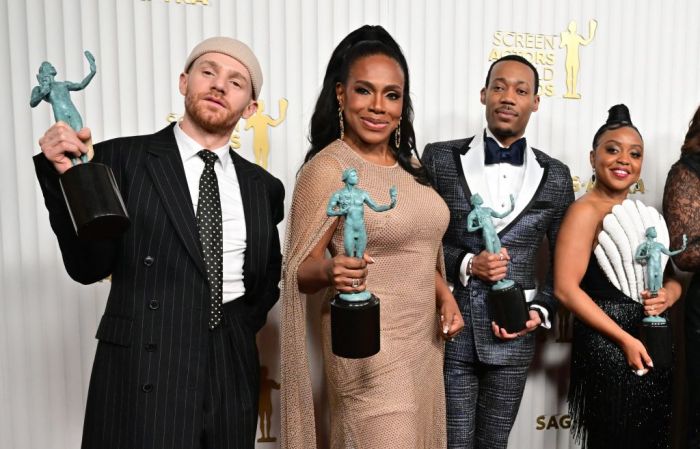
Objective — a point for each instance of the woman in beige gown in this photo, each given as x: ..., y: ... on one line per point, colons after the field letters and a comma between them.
x: 394, y: 399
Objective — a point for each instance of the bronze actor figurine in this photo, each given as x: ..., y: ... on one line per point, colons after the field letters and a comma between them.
x: 506, y: 299
x: 355, y: 316
x: 89, y: 189
x: 655, y: 332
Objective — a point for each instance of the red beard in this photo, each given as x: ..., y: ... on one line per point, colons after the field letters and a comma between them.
x: 206, y: 116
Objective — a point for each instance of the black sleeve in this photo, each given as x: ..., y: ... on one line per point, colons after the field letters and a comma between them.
x: 85, y: 261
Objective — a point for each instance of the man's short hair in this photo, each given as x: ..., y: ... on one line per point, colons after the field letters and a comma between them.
x: 516, y: 58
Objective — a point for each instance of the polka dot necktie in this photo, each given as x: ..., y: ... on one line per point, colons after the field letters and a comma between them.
x: 210, y: 234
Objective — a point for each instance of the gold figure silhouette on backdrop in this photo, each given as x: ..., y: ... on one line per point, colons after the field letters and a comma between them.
x: 265, y: 405
x: 573, y: 41
x: 259, y: 122
x: 576, y: 181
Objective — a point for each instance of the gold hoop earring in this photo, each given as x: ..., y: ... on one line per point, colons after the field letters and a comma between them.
x: 341, y: 123
x: 397, y: 135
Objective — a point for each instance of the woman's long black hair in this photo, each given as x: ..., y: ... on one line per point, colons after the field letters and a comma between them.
x: 325, y: 128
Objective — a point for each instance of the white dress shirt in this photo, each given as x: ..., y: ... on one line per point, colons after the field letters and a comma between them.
x: 233, y: 219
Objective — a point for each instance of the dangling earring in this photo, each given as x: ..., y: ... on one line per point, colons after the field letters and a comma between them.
x: 397, y: 135
x: 340, y: 120
x: 591, y: 183
x: 637, y: 186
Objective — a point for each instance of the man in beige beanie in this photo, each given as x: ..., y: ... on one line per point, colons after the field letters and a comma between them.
x: 192, y: 279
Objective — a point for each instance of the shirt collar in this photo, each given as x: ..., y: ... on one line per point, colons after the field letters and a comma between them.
x: 189, y: 147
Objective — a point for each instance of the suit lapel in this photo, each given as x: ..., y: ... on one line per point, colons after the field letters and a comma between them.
x: 532, y: 178
x: 472, y: 166
x: 164, y: 164
x: 255, y: 214
x: 533, y: 183
x: 457, y: 154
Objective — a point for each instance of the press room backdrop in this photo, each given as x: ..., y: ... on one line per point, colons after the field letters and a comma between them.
x: 644, y: 53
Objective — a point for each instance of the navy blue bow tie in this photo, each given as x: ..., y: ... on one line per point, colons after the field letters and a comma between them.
x: 495, y: 155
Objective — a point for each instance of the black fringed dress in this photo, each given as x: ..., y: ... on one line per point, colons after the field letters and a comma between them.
x: 610, y: 406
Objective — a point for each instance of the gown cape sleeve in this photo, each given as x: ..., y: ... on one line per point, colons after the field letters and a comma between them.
x: 307, y: 223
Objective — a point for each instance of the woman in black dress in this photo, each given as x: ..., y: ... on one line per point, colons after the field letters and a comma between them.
x: 617, y: 399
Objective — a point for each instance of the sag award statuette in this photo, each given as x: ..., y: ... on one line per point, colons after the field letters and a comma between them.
x: 654, y: 331
x: 355, y: 316
x: 89, y: 189
x: 506, y: 301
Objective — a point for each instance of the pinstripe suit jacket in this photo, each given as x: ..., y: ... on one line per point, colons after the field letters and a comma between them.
x: 147, y: 384
x: 522, y: 237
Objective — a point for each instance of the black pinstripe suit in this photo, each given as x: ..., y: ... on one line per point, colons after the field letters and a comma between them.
x: 484, y: 376
x: 151, y: 369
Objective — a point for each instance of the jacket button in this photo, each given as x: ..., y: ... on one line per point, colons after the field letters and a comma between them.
x: 474, y: 292
x: 147, y: 388
x: 154, y: 304
x: 151, y: 347
x: 148, y: 261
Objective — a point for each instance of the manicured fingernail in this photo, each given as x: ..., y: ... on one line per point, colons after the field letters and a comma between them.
x: 445, y: 329
x: 371, y: 259
x: 651, y: 364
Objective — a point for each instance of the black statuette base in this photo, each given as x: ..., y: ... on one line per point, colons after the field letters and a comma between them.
x: 508, y: 308
x: 355, y: 327
x: 658, y: 341
x: 94, y: 202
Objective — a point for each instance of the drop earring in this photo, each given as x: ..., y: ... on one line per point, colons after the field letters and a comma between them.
x: 341, y: 123
x: 397, y: 135
x: 591, y: 183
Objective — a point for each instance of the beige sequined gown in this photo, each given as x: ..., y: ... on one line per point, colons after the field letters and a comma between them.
x: 394, y: 399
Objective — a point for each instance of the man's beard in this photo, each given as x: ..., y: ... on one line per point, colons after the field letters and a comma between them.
x: 503, y: 133
x: 214, y: 122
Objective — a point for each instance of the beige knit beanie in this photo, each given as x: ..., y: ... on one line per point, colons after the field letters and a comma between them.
x: 235, y: 49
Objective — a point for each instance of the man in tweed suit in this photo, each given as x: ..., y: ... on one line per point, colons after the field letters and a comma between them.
x: 167, y: 372
x: 485, y: 366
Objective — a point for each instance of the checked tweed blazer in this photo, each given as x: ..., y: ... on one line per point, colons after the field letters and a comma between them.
x: 522, y: 238
x: 149, y: 373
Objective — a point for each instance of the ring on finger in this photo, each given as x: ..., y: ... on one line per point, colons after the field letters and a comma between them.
x: 355, y: 283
